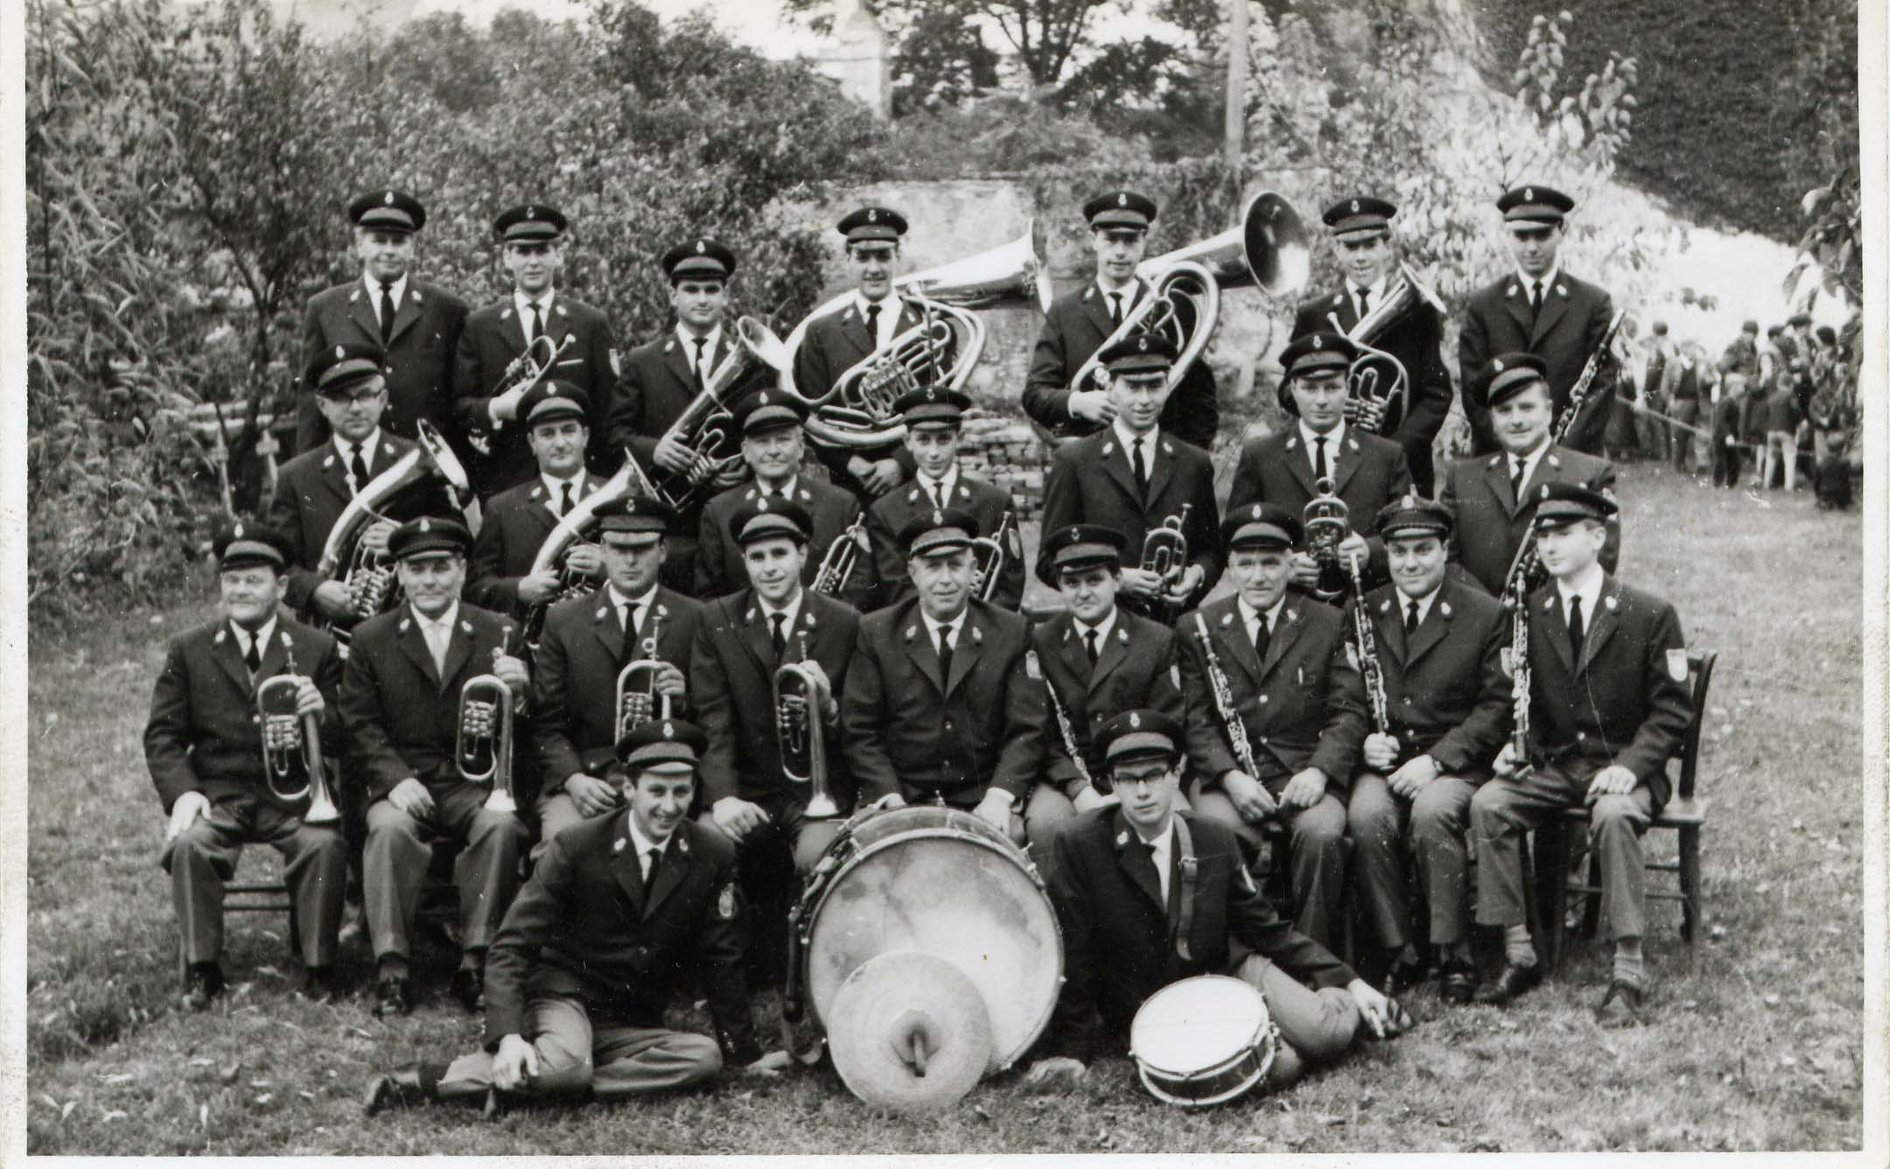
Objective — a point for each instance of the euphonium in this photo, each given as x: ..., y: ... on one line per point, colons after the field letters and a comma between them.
x: 856, y: 411
x: 800, y: 735
x: 482, y: 745
x: 369, y: 578
x: 988, y: 554
x: 1327, y: 523
x: 1377, y: 380
x: 1165, y: 553
x: 706, y: 426
x: 637, y: 700
x: 292, y: 748
x: 573, y: 527
x: 836, y: 567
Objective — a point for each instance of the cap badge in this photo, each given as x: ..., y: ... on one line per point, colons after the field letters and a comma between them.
x: 872, y: 215
x: 701, y: 247
x: 237, y: 532
x: 1529, y: 193
x: 630, y: 504
x: 1410, y: 499
x: 1142, y: 345
x: 1135, y: 720
x: 388, y: 198
x: 669, y: 730
x: 1545, y: 491
x: 1355, y: 206
x: 931, y: 393
x: 1498, y: 363
x: 426, y: 525
x: 340, y: 353
x: 1318, y: 342
x: 531, y: 213
x: 1122, y: 198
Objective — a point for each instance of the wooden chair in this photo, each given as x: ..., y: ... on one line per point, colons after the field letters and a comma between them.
x: 1561, y: 843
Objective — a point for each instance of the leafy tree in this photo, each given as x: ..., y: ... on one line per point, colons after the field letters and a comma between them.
x: 1045, y: 34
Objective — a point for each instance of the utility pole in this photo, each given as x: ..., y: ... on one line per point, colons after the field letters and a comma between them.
x: 1232, y: 147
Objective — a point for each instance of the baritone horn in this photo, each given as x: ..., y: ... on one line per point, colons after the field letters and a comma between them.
x: 707, y: 425
x: 292, y: 748
x: 637, y: 700
x: 1377, y: 381
x: 800, y: 735
x: 482, y: 746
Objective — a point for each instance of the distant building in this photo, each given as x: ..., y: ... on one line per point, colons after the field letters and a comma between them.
x: 858, y: 57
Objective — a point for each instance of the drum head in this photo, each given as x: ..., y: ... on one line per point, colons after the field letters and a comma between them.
x: 1197, y: 1024
x: 923, y: 880
x: 910, y: 1033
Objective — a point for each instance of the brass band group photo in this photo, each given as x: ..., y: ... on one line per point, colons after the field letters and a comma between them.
x: 689, y: 667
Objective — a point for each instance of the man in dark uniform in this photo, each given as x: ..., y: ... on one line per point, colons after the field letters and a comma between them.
x: 933, y: 417
x: 204, y: 747
x: 555, y: 417
x: 773, y: 445
x: 532, y: 238
x: 938, y: 702
x: 1608, y: 704
x: 400, y: 703
x: 1080, y: 322
x: 1539, y: 309
x: 745, y: 639
x: 1367, y: 470
x: 587, y: 642
x: 1300, y: 703
x: 415, y: 324
x: 1096, y: 661
x: 1493, y: 497
x: 1147, y: 896
x: 1361, y: 232
x: 662, y: 377
x: 839, y: 340
x: 1440, y: 646
x: 591, y: 954
x: 1133, y: 477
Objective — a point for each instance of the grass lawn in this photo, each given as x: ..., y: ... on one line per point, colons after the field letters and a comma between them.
x: 1757, y: 1044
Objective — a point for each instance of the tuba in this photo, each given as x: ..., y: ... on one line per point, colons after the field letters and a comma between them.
x: 706, y: 426
x: 369, y: 577
x: 637, y: 701
x: 482, y: 745
x: 800, y: 735
x: 1165, y: 553
x: 836, y: 567
x: 292, y: 748
x: 857, y: 411
x: 988, y: 553
x: 1378, y: 382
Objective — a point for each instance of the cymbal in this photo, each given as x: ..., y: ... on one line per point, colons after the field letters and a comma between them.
x: 909, y: 1032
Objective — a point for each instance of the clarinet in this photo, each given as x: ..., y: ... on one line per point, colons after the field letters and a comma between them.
x: 1063, y: 722
x: 1224, y: 701
x: 1367, y: 644
x: 1520, y: 678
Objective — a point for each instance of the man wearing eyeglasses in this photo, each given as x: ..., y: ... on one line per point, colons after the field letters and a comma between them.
x: 1539, y: 309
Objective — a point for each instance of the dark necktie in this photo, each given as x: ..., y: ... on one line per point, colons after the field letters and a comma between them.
x: 253, y: 658
x: 872, y: 324
x: 945, y: 653
x: 387, y: 312
x: 702, y: 375
x: 656, y: 865
x: 1115, y: 308
x: 1141, y: 469
x: 564, y: 507
x: 1364, y: 302
x: 1155, y: 863
x: 630, y: 624
x: 1320, y: 468
x: 1575, y: 630
x: 1262, y: 638
x: 938, y: 495
x: 538, y: 321
x: 1411, y: 619
x: 1089, y: 643
x: 1516, y: 467
x: 357, y: 467
x: 779, y: 636
x: 1535, y: 300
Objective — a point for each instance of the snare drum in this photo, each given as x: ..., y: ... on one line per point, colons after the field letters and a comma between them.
x: 941, y: 882
x: 1203, y: 1041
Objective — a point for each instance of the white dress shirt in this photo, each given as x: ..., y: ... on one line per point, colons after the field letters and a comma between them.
x: 1548, y: 282
x: 645, y: 605
x: 554, y: 488
x: 1102, y: 631
x: 438, y: 633
x: 938, y: 489
x: 1128, y: 439
x: 889, y: 308
x: 261, y: 635
x: 647, y: 849
x: 956, y: 625
x: 346, y: 450
x: 524, y: 305
x: 1335, y: 438
x: 710, y: 340
x: 1375, y: 291
x: 1250, y: 616
x: 1588, y: 588
x: 1529, y: 462
x: 1161, y: 855
x: 398, y: 290
x: 1127, y: 293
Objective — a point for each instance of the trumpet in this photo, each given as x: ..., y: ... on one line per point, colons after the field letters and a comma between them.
x: 292, y: 747
x: 988, y: 553
x: 482, y: 745
x: 1326, y: 518
x: 1378, y: 381
x: 706, y: 426
x: 637, y: 700
x: 800, y: 733
x: 837, y: 565
x: 1165, y: 553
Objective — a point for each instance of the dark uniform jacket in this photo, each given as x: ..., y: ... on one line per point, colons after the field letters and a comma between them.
x: 1119, y: 938
x: 1491, y: 525
x: 419, y: 353
x: 986, y: 504
x: 1416, y: 340
x: 1303, y: 707
x: 907, y: 730
x: 516, y: 524
x: 1091, y: 482
x: 400, y: 715
x: 574, y: 683
x: 719, y: 567
x: 1369, y: 472
x: 493, y: 337
x: 731, y: 673
x: 833, y: 344
x: 1075, y: 328
x: 311, y: 494
x: 1574, y: 315
x: 204, y: 734
x: 584, y: 926
x: 1625, y: 702
x: 1445, y: 688
x: 1135, y: 669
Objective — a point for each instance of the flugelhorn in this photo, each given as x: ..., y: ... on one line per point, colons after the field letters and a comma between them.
x: 989, y: 554
x: 637, y: 700
x: 841, y: 558
x: 522, y: 373
x: 801, y: 735
x: 482, y: 744
x: 292, y: 747
x: 1165, y: 553
x: 707, y: 426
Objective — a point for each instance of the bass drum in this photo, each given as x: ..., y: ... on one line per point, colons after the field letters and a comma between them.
x: 940, y: 882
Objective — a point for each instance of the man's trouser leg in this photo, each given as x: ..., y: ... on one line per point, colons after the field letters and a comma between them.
x: 556, y: 812
x: 633, y: 1061
x: 1500, y: 813
x: 1614, y: 833
x: 315, y: 869
x: 1375, y: 818
x: 486, y: 870
x: 1046, y: 811
x: 1788, y: 442
x: 1418, y: 457
x: 560, y: 1032
x: 1320, y: 1024
x: 1440, y: 818
x: 393, y: 866
x: 1685, y: 443
x: 200, y: 859
x: 1317, y: 850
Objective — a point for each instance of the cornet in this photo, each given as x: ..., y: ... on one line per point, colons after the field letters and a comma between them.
x: 293, y: 745
x: 482, y: 747
x: 800, y: 735
x: 637, y: 700
x: 1165, y: 553
x: 1327, y: 521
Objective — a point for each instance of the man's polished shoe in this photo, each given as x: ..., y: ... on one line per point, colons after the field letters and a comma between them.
x: 412, y: 1085
x: 320, y: 985
x: 1458, y: 984
x: 1513, y: 981
x: 1405, y: 975
x: 1625, y: 1005
x: 469, y: 987
x: 203, y: 981
x: 393, y: 996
